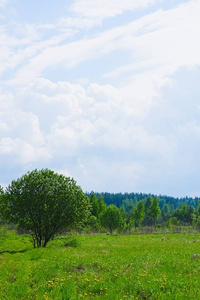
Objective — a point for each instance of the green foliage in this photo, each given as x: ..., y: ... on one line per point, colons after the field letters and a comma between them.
x: 147, y: 218
x: 94, y: 205
x: 97, y: 205
x: 165, y: 213
x: 148, y: 203
x: 171, y: 222
x: 138, y: 213
x: 111, y: 218
x: 44, y: 203
x: 198, y: 208
x: 93, y: 224
x: 184, y: 214
x: 97, y: 208
x: 154, y: 209
x: 101, y: 205
x: 198, y: 223
x: 129, y: 204
x: 3, y: 232
x: 130, y: 200
x: 71, y: 242
x: 157, y: 209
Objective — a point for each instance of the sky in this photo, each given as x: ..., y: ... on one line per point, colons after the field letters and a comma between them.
x: 106, y: 92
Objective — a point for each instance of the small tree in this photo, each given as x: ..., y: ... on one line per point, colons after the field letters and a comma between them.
x: 154, y: 209
x: 94, y: 205
x: 165, y: 213
x: 172, y: 222
x: 44, y: 203
x: 93, y: 223
x: 147, y: 217
x: 188, y: 218
x: 102, y: 205
x: 111, y: 218
x: 138, y: 213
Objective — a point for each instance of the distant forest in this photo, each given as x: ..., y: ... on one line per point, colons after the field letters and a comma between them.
x: 139, y: 209
x: 130, y: 200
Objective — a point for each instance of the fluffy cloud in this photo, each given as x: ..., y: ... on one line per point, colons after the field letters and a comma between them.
x: 21, y: 140
x: 96, y: 135
x: 121, y: 132
x: 18, y: 151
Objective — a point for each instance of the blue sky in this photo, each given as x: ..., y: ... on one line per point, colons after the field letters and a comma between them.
x: 106, y: 92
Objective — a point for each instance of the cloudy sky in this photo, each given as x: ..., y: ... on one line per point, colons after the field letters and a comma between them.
x: 106, y: 92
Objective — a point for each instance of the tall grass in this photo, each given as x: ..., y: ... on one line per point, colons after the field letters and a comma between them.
x: 101, y: 266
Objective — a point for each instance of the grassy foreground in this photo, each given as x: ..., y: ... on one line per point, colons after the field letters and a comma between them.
x: 102, y: 267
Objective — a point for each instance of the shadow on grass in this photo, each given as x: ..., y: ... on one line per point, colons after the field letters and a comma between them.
x: 13, y: 252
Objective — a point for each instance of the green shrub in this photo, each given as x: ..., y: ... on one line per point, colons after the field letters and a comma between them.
x: 72, y: 242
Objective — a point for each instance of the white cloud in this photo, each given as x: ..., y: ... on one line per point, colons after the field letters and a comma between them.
x: 21, y: 140
x: 102, y: 9
x: 77, y: 22
x: 107, y: 134
x: 95, y: 131
x: 146, y: 40
x: 96, y: 118
x: 18, y: 151
x: 165, y: 40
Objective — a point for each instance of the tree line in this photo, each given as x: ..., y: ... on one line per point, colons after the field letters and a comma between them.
x: 130, y: 199
x: 148, y: 210
x: 45, y: 203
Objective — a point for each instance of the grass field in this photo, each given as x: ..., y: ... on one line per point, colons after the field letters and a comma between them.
x: 101, y: 266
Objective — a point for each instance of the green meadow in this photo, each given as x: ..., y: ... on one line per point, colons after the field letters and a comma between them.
x: 101, y: 266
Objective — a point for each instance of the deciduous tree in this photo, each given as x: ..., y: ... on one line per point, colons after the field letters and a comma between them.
x: 111, y: 218
x: 154, y: 209
x: 44, y: 203
x: 138, y: 213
